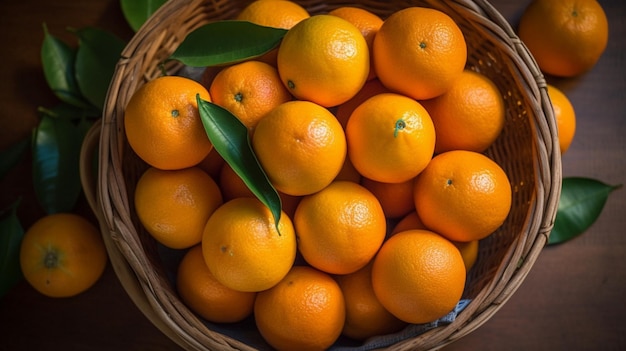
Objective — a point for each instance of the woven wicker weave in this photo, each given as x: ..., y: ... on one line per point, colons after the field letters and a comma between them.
x: 527, y: 150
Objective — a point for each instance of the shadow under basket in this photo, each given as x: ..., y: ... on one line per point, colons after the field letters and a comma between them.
x: 527, y: 150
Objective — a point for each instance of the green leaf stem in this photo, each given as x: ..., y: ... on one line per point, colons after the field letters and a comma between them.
x: 231, y: 140
x: 70, y: 112
x: 580, y: 205
x: 137, y: 12
x: 225, y: 42
x: 96, y: 58
x: 11, y: 234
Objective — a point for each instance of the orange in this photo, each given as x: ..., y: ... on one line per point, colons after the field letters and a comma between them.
x: 469, y: 249
x: 289, y: 203
x: 212, y: 164
x: 410, y: 221
x: 469, y: 115
x: 419, y: 52
x: 273, y: 13
x: 339, y: 228
x: 391, y: 138
x: 163, y: 125
x: 566, y: 37
x: 396, y: 199
x: 175, y: 205
x: 305, y: 311
x: 204, y: 295
x: 565, y: 117
x: 469, y: 252
x: 348, y: 172
x: 323, y: 59
x: 365, y: 315
x: 370, y: 88
x: 418, y: 276
x: 62, y: 255
x: 208, y: 74
x: 244, y: 249
x: 367, y: 22
x: 301, y: 147
x: 463, y: 195
x: 232, y: 186
x: 249, y: 90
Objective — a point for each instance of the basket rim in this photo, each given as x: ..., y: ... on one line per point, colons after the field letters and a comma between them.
x: 541, y: 214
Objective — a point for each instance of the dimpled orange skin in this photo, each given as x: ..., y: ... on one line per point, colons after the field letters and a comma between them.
x: 370, y: 88
x: 565, y: 117
x: 204, y: 295
x: 304, y: 311
x: 468, y: 249
x: 396, y: 199
x: 340, y: 228
x: 391, y: 138
x: 62, y: 255
x: 273, y: 13
x: 173, y: 206
x: 163, y: 125
x: 463, y: 195
x: 244, y: 249
x: 468, y: 116
x: 410, y: 221
x: 323, y: 59
x: 249, y: 90
x: 566, y: 37
x: 365, y: 316
x: 301, y: 146
x: 367, y: 22
x: 419, y: 52
x: 418, y: 276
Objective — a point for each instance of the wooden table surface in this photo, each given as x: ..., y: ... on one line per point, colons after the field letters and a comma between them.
x: 573, y: 298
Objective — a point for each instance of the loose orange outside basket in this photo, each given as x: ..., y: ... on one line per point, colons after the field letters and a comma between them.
x: 527, y: 150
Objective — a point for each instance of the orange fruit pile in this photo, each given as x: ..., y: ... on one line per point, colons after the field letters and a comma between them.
x: 372, y: 131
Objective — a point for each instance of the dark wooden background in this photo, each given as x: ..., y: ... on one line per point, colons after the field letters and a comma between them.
x: 573, y: 298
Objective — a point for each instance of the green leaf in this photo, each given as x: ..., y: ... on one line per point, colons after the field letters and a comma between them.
x: 70, y: 112
x: 231, y: 140
x: 56, y: 154
x: 96, y: 58
x: 137, y: 12
x: 11, y: 234
x: 57, y: 59
x: 580, y: 205
x: 11, y: 156
x: 224, y: 42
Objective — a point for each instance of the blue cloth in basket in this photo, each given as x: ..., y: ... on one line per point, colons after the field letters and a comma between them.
x: 247, y: 333
x: 410, y: 331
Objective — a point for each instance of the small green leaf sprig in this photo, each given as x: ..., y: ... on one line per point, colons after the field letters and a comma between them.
x: 227, y: 42
x: 136, y: 12
x: 231, y: 139
x: 79, y: 77
x: 580, y: 205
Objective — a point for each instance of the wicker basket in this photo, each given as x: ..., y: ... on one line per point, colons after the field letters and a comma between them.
x: 527, y: 150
